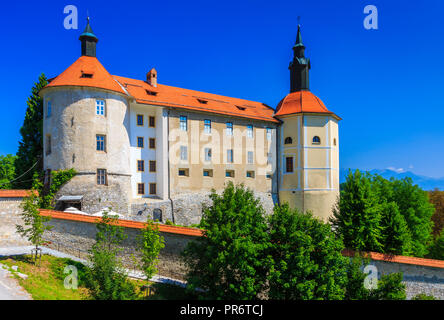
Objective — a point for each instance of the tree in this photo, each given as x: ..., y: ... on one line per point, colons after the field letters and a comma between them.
x: 230, y: 260
x: 357, y: 214
x: 436, y: 250
x: 437, y: 200
x: 396, y: 236
x: 30, y: 151
x: 307, y: 259
x: 106, y: 278
x: 34, y: 224
x: 7, y: 171
x: 150, y: 242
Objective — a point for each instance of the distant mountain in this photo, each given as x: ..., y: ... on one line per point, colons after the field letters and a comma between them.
x: 426, y: 183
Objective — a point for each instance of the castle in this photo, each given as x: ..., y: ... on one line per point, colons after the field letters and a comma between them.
x: 150, y: 150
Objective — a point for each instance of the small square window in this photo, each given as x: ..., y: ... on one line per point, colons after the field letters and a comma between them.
x: 140, y: 142
x: 140, y: 120
x: 229, y: 173
x: 100, y: 107
x: 153, y: 189
x: 152, y: 122
x: 153, y: 166
x: 184, y: 172
x: 250, y: 174
x: 101, y: 177
x: 152, y: 143
x: 208, y: 173
x: 140, y: 165
x: 140, y: 188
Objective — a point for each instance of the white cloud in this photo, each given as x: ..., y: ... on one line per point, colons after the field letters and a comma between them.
x: 397, y: 170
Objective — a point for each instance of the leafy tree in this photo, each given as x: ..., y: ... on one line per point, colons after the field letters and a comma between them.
x: 355, y: 289
x: 414, y: 205
x: 58, y: 179
x: 30, y: 151
x: 396, y: 236
x: 390, y: 287
x: 437, y: 200
x: 436, y: 250
x: 7, y: 171
x: 307, y: 259
x: 357, y: 214
x: 230, y: 260
x: 106, y: 278
x: 150, y: 242
x: 34, y: 224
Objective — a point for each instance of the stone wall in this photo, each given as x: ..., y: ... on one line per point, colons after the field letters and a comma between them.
x: 76, y: 238
x: 9, y: 217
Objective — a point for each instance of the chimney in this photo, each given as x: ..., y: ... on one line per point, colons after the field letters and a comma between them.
x: 151, y: 77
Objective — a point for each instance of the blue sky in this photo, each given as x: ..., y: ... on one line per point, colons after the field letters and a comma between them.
x: 386, y: 84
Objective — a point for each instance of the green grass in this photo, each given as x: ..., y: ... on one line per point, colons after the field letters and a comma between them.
x: 46, y: 281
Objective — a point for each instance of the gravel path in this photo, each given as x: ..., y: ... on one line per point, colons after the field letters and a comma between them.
x: 10, y: 288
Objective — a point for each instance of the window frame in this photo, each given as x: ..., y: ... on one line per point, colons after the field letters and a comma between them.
x: 292, y: 164
x: 229, y: 128
x: 318, y: 140
x: 153, y: 118
x: 230, y: 159
x: 149, y: 143
x: 183, y: 152
x: 250, y: 131
x: 140, y: 184
x: 137, y: 120
x: 143, y: 142
x: 152, y: 163
x: 248, y: 157
x: 155, y: 189
x: 101, y: 176
x: 207, y: 126
x: 183, y: 123
x: 208, y: 155
x: 100, y: 109
x: 102, y: 142
x: 140, y: 163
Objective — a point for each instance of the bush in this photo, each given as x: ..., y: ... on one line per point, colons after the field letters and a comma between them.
x: 423, y: 296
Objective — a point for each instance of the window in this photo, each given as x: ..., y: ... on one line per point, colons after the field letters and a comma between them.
x: 207, y: 126
x: 152, y: 166
x: 269, y: 176
x: 208, y: 173
x: 140, y: 120
x: 141, y: 188
x: 49, y: 109
x: 151, y: 93
x: 152, y: 143
x: 183, y: 123
x: 250, y: 174
x: 250, y: 156
x: 316, y: 140
x: 140, y: 142
x: 334, y: 141
x: 288, y: 140
x: 207, y: 154
x: 229, y: 173
x: 140, y: 165
x: 184, y: 172
x: 48, y: 144
x: 229, y: 128
x: 250, y: 131
x: 269, y: 133
x: 153, y: 189
x: 100, y: 107
x: 152, y: 122
x: 86, y: 75
x: 101, y: 177
x: 100, y: 141
x: 202, y: 101
x: 230, y: 156
x: 241, y: 108
x: 289, y: 164
x: 269, y: 158
x: 183, y: 153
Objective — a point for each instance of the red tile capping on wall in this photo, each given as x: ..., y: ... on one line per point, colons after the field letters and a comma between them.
x: 123, y: 223
x: 398, y: 259
x: 16, y: 193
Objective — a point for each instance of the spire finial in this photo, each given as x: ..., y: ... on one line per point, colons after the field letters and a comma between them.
x: 299, y: 37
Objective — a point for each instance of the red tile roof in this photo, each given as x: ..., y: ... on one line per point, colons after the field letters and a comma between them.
x: 301, y: 102
x: 123, y: 223
x: 15, y: 193
x: 87, y: 66
x: 398, y: 259
x: 196, y: 100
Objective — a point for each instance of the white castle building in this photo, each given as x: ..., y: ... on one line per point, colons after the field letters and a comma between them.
x: 147, y: 149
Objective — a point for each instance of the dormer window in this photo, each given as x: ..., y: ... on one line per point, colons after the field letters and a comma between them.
x: 202, y: 101
x: 87, y: 75
x: 151, y: 93
x: 241, y: 108
x: 316, y: 140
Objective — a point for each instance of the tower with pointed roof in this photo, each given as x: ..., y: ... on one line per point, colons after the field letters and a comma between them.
x: 89, y: 41
x: 308, y: 146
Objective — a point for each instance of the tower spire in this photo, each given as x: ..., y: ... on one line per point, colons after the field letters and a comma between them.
x: 300, y: 66
x: 89, y: 41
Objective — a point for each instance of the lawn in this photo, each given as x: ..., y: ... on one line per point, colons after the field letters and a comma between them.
x: 46, y: 281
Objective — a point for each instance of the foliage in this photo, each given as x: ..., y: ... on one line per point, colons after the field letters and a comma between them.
x: 58, y: 265
x: 34, y: 223
x: 355, y: 289
x: 388, y: 216
x: 390, y: 287
x: 58, y: 179
x: 436, y: 250
x: 150, y: 242
x: 105, y: 278
x: 436, y: 198
x: 230, y: 260
x: 30, y: 151
x: 423, y: 296
x: 356, y: 215
x: 7, y: 171
x: 307, y: 259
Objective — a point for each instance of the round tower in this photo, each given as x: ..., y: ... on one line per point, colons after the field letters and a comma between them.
x: 85, y: 127
x: 308, y: 144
